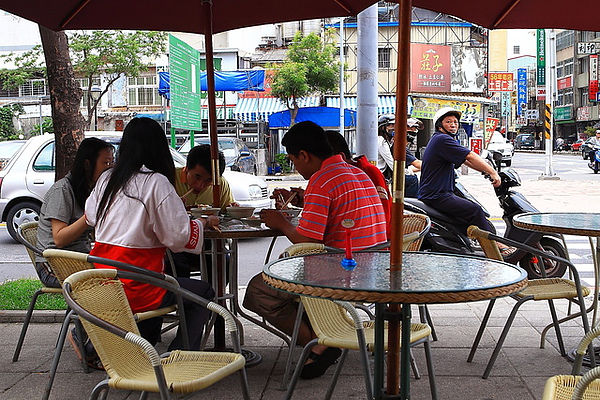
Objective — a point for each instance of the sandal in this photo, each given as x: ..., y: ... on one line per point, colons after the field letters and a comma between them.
x: 320, y: 363
x: 507, y: 252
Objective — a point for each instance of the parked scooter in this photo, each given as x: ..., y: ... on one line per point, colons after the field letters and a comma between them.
x: 594, y: 163
x: 448, y: 234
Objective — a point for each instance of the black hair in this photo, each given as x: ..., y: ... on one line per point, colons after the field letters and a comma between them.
x: 200, y: 155
x: 84, y: 165
x: 307, y: 136
x: 144, y: 143
x: 338, y: 143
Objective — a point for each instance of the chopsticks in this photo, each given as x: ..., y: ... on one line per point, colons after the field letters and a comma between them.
x: 186, y: 194
x: 284, y: 206
x: 216, y: 228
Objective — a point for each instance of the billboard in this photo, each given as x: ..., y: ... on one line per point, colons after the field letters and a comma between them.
x: 426, y: 108
x: 430, y: 68
x: 521, y: 91
x: 501, y: 82
x: 468, y: 70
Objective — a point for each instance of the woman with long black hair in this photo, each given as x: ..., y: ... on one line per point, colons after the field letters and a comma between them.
x: 137, y: 215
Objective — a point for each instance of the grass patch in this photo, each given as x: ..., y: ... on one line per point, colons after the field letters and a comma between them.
x: 16, y: 295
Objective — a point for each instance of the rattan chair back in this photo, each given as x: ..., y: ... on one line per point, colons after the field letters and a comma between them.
x: 64, y: 262
x: 27, y: 235
x: 103, y: 296
x: 130, y: 361
x: 415, y: 223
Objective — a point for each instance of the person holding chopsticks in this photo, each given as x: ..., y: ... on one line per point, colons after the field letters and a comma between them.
x: 335, y: 191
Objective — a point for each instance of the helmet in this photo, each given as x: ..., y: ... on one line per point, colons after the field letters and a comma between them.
x: 413, y: 122
x: 443, y: 112
x: 597, y: 131
x: 386, y: 119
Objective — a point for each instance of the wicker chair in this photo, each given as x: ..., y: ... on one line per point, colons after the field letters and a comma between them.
x: 130, y: 361
x: 567, y: 387
x: 331, y: 322
x: 27, y: 236
x: 65, y: 263
x: 549, y: 289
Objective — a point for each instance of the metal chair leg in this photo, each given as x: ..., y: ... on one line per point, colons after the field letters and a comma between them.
x: 336, y: 375
x: 503, y: 335
x: 430, y: 371
x: 301, y: 361
x: 561, y: 344
x: 57, y: 352
x: 26, y: 324
x: 484, y: 322
x: 425, y: 318
x: 292, y: 344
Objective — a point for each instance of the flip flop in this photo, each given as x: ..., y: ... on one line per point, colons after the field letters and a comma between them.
x: 320, y: 363
x: 507, y: 252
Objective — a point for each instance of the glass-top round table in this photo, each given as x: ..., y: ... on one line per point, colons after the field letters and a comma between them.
x: 424, y: 278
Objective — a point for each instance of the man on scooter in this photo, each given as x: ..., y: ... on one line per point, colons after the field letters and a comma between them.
x: 594, y: 141
x: 441, y: 156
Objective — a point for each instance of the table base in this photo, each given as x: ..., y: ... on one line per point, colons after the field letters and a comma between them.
x: 586, y: 362
x: 252, y: 357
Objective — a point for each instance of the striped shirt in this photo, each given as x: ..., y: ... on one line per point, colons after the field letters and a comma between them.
x: 340, y: 191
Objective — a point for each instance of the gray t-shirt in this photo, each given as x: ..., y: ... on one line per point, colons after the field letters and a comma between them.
x: 59, y: 203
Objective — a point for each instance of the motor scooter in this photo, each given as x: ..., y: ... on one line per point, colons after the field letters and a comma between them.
x: 448, y: 233
x: 594, y: 163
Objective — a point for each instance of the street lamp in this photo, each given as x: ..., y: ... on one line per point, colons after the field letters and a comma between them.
x: 95, y: 92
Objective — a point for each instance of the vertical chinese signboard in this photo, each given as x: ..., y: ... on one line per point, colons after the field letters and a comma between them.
x: 541, y: 57
x: 501, y: 82
x: 430, y: 68
x: 490, y: 126
x: 593, y: 86
x: 521, y: 90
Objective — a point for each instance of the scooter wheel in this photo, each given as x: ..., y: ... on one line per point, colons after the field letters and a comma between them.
x: 534, y: 264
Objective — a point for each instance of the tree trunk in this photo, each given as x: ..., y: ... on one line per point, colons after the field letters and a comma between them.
x: 65, y: 95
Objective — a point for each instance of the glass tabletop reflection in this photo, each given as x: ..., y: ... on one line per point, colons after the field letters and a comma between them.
x: 574, y: 223
x: 421, y: 272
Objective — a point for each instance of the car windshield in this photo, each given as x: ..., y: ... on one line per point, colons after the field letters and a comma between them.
x: 9, y: 148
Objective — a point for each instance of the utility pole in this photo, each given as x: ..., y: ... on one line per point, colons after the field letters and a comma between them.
x: 550, y: 99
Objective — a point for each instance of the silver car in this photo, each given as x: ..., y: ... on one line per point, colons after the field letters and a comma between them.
x: 30, y: 173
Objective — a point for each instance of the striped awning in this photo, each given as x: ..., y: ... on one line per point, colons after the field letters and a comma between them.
x: 256, y: 109
x: 385, y: 104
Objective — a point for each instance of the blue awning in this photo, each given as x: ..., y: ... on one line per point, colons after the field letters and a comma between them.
x: 259, y: 109
x: 327, y: 117
x: 235, y: 81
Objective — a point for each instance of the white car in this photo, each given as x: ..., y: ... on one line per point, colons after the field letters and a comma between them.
x: 502, y: 145
x: 30, y: 172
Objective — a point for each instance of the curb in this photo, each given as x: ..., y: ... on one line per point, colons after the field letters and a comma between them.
x: 38, y: 317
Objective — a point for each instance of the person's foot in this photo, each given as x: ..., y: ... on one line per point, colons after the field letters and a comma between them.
x: 320, y: 363
x: 91, y: 357
x: 506, y: 252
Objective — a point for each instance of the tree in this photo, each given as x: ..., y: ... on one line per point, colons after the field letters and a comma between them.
x: 109, y: 54
x: 65, y: 95
x: 310, y: 68
x: 7, y: 126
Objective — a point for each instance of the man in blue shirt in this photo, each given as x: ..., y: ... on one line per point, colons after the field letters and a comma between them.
x: 442, y: 155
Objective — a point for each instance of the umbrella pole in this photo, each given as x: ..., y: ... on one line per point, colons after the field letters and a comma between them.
x: 219, y: 336
x: 397, y: 227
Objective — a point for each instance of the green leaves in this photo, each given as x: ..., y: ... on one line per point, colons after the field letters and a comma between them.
x: 310, y: 68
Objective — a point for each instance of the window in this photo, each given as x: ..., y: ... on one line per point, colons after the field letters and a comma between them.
x: 35, y: 87
x: 583, y: 96
x: 83, y: 84
x: 569, y: 66
x: 583, y: 64
x: 143, y: 91
x: 45, y: 159
x: 564, y: 97
x: 560, y: 69
x: 516, y: 49
x: 383, y: 57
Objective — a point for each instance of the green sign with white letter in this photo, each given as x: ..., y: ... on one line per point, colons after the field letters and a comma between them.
x: 541, y: 57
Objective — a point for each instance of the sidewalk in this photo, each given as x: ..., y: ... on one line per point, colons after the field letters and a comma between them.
x: 519, y: 374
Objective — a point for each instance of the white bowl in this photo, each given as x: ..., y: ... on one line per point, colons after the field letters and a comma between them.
x: 254, y: 222
x: 240, y: 212
x: 199, y: 212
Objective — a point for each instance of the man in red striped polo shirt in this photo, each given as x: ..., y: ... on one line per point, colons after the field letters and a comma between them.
x: 335, y: 191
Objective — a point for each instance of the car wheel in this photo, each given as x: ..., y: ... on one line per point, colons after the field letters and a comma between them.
x: 21, y: 213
